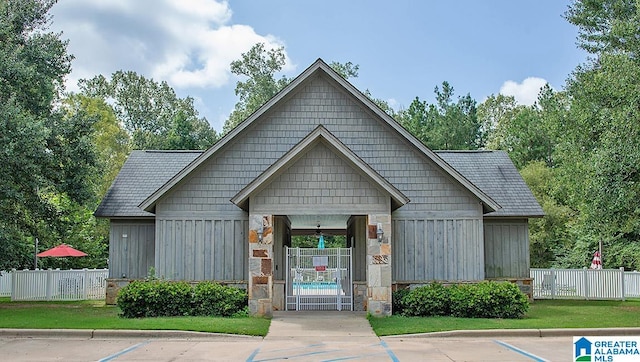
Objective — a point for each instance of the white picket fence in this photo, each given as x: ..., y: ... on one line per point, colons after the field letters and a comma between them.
x: 614, y: 284
x: 54, y: 285
x: 5, y: 284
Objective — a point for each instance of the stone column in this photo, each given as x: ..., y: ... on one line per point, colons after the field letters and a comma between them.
x: 379, y: 299
x: 260, y: 265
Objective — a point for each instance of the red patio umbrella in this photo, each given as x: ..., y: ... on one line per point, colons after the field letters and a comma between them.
x: 62, y: 250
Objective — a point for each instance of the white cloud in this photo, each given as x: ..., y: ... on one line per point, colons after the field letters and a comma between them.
x: 189, y: 43
x: 525, y: 93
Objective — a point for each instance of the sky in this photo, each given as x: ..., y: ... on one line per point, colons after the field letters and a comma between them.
x: 404, y: 48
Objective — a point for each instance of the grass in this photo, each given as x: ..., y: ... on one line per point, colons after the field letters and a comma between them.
x: 97, y: 315
x: 542, y: 314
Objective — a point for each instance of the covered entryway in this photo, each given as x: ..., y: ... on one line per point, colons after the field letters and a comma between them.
x: 319, y: 176
x: 319, y: 279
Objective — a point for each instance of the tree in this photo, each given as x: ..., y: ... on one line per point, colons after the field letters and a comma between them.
x: 607, y: 26
x: 346, y: 70
x: 495, y: 115
x: 446, y: 125
x: 152, y: 113
x: 43, y: 152
x: 111, y: 142
x: 549, y: 236
x: 259, y: 66
x: 527, y: 133
x: 597, y: 154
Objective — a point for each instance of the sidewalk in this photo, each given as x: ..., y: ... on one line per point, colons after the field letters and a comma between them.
x: 320, y: 325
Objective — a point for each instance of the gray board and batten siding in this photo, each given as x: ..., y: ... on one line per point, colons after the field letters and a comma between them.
x: 506, y: 231
x: 132, y: 230
x: 200, y: 234
x: 210, y: 187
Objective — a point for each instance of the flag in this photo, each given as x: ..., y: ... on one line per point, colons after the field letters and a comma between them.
x: 596, y: 263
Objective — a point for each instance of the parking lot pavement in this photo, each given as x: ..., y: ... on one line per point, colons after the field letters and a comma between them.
x: 281, y: 349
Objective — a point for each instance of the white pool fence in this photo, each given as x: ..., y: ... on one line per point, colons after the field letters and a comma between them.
x: 54, y: 284
x: 86, y: 284
x: 611, y: 284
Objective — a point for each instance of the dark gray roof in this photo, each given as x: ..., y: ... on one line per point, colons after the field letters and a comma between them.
x: 494, y: 173
x: 142, y: 174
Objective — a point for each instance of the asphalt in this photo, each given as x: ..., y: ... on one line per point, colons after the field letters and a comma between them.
x: 311, y: 325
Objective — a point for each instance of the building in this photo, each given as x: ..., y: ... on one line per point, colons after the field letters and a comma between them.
x: 319, y: 153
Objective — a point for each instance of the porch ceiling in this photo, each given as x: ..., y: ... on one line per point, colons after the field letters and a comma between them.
x: 312, y: 221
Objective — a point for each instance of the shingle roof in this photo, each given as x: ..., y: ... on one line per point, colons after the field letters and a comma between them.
x: 319, y: 67
x: 490, y: 171
x: 142, y: 174
x: 494, y: 173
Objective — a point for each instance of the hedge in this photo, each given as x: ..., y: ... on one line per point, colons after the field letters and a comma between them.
x: 161, y: 298
x: 482, y: 300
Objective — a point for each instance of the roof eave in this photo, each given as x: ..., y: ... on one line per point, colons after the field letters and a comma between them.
x: 484, y: 198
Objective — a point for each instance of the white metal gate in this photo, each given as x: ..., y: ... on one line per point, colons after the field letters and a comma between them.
x: 319, y: 279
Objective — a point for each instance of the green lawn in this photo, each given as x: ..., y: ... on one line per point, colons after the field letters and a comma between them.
x: 97, y: 315
x: 542, y: 314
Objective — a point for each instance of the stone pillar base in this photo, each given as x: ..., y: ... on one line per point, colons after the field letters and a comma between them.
x: 113, y: 287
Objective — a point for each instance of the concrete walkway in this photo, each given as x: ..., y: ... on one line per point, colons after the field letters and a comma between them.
x: 320, y: 326
x: 321, y: 336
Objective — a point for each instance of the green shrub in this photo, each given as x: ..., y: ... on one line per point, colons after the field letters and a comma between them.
x: 160, y: 298
x: 155, y: 298
x: 212, y: 299
x: 482, y: 300
x: 429, y: 300
x: 397, y: 299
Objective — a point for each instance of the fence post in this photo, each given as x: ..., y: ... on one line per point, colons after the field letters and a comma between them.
x: 585, y: 273
x: 622, y: 286
x: 553, y: 283
x: 85, y: 284
x: 49, y: 284
x: 14, y: 283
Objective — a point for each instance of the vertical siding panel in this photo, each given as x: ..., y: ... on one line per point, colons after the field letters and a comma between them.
x: 430, y: 244
x: 138, y: 247
x: 420, y: 247
x: 402, y: 252
x: 189, y: 252
x: 131, y: 256
x: 460, y: 259
x: 410, y: 253
x: 178, y: 261
x: 478, y: 230
x: 439, y: 245
x: 229, y: 247
x: 160, y: 235
x: 506, y: 247
x: 451, y: 250
x: 218, y: 247
x: 239, y: 256
x: 168, y: 250
x: 245, y: 250
x: 208, y: 250
x: 199, y: 250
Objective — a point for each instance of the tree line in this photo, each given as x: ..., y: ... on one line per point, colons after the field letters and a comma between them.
x: 578, y: 148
